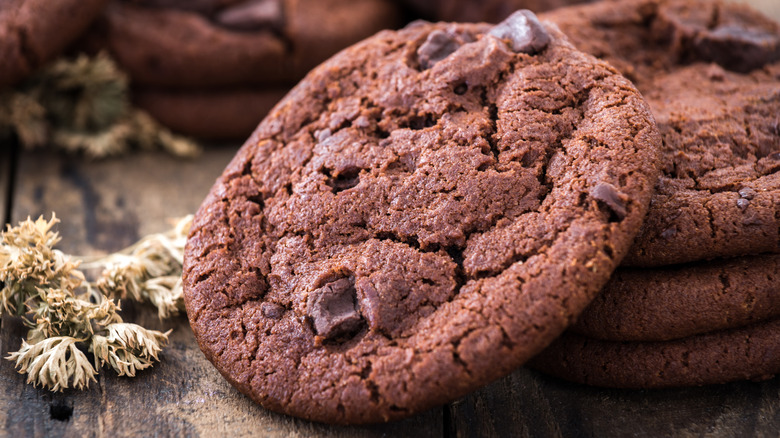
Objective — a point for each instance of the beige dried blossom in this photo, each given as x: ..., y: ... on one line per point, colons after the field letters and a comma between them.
x: 149, y: 271
x: 54, y: 363
x: 64, y: 314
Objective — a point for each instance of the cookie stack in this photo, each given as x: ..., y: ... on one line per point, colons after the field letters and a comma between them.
x: 431, y: 208
x: 701, y: 302
x: 213, y: 68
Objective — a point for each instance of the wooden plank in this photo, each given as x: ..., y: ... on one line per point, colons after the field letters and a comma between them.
x: 6, y: 161
x: 105, y: 206
x: 529, y: 404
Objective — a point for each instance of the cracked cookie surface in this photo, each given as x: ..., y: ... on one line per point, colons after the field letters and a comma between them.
x: 419, y: 216
x: 711, y: 74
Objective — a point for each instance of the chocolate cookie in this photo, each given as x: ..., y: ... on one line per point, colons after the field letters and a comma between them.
x: 719, y: 193
x: 35, y: 31
x: 211, y: 43
x: 748, y: 353
x: 215, y: 115
x: 678, y: 301
x: 423, y: 213
x: 491, y: 11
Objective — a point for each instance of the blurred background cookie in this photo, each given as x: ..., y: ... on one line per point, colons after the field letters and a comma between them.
x: 33, y: 32
x: 213, y: 68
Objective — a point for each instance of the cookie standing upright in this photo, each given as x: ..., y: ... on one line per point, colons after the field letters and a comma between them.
x: 711, y: 74
x: 35, y: 31
x: 420, y: 215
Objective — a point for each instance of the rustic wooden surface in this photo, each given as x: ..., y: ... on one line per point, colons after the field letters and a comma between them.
x: 107, y: 205
x: 5, y: 180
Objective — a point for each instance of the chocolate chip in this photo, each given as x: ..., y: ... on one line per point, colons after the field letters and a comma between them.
x: 252, y: 15
x: 322, y: 135
x: 271, y: 310
x: 610, y: 197
x: 743, y: 203
x: 669, y: 233
x: 747, y: 193
x: 523, y: 31
x: 738, y: 47
x: 774, y: 157
x: 332, y: 309
x: 437, y: 46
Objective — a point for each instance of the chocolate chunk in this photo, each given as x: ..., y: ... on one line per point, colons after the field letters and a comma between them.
x: 747, y: 193
x: 743, y: 203
x: 332, y: 309
x: 322, y: 135
x: 612, y: 199
x: 272, y: 310
x: 523, y: 31
x: 738, y: 47
x: 669, y: 233
x: 439, y: 45
x: 252, y: 15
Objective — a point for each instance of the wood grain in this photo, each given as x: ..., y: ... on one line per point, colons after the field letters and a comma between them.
x: 105, y: 206
x: 6, y: 157
x: 529, y: 404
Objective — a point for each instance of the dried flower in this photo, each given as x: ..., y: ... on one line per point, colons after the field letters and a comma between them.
x: 149, y: 271
x: 82, y: 105
x: 64, y: 312
x: 54, y: 363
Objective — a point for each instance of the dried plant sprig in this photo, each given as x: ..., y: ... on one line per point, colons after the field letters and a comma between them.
x: 29, y: 264
x: 83, y: 105
x: 127, y: 348
x: 54, y: 363
x: 64, y: 314
x: 149, y: 271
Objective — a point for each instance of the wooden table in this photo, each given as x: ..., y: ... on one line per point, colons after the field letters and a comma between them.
x: 106, y: 205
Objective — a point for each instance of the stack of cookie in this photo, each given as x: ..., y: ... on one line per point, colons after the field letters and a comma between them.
x: 431, y: 208
x: 711, y: 74
x: 213, y: 68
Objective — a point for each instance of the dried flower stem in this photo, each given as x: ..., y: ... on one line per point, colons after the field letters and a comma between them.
x: 66, y: 315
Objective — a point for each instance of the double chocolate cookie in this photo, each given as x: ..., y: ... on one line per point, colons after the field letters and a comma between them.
x: 711, y: 74
x: 422, y: 214
x: 210, y: 114
x: 35, y: 31
x: 209, y: 43
x: 746, y: 353
x: 674, y: 302
x: 214, y: 68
